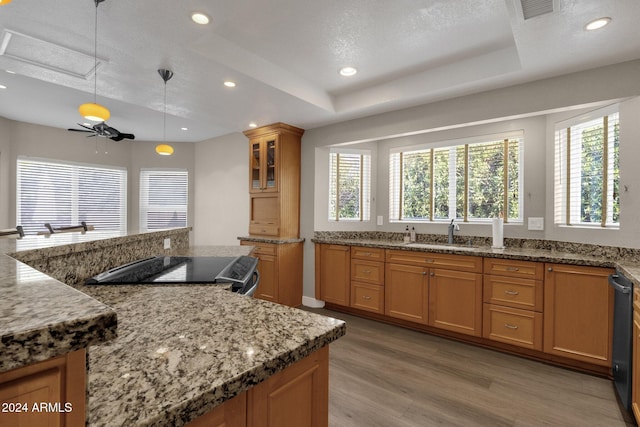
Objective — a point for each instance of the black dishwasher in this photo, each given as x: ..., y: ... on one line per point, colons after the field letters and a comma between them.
x: 622, y: 336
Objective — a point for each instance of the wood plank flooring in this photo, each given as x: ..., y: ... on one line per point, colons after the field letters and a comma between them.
x: 383, y: 375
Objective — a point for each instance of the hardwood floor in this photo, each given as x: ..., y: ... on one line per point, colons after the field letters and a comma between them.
x: 383, y: 375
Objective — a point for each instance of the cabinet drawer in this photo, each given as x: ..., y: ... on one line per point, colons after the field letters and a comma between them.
x: 263, y: 229
x: 260, y: 248
x: 367, y: 271
x: 428, y: 259
x: 513, y: 292
x: 512, y: 326
x: 513, y: 268
x: 371, y: 254
x: 367, y: 297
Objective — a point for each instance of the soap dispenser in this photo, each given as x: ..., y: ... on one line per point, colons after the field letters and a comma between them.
x: 407, y: 235
x: 413, y: 234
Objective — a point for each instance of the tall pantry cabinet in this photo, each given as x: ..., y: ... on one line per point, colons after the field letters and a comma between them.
x: 274, y: 211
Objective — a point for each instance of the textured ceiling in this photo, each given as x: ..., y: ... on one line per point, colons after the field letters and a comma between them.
x: 284, y: 56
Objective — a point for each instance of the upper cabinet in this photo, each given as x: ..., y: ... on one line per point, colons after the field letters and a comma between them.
x: 274, y: 180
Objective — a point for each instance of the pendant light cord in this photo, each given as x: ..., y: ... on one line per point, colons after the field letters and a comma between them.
x: 164, y: 115
x: 95, y: 57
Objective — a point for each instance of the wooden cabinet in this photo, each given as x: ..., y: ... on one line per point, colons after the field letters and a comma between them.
x: 513, y: 302
x: 367, y: 279
x: 455, y: 301
x: 296, y: 396
x: 333, y: 273
x: 406, y: 292
x: 280, y: 268
x: 578, y: 313
x: 59, y: 382
x: 274, y: 180
x: 440, y: 290
x: 635, y: 369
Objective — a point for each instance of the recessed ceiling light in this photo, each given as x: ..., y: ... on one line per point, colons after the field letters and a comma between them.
x: 348, y: 71
x: 200, y: 18
x: 597, y: 23
x: 229, y: 83
x: 184, y: 128
x: 253, y: 125
x: 3, y: 87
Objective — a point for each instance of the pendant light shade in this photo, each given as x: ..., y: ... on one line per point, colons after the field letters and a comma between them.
x: 164, y: 149
x: 3, y: 2
x: 94, y: 112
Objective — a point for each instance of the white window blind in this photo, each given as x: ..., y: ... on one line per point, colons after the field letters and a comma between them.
x: 163, y: 198
x: 349, y: 185
x: 586, y: 170
x: 473, y: 179
x: 64, y: 194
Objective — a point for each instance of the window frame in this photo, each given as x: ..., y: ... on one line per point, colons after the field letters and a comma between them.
x: 364, y: 197
x: 568, y: 184
x: 74, y: 193
x: 396, y: 171
x: 145, y: 208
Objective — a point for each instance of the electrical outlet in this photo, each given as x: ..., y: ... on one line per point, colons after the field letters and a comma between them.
x: 380, y: 220
x: 536, y: 223
x: 167, y: 243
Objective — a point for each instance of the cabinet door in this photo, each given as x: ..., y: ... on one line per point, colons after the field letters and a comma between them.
x: 268, y: 287
x: 264, y: 164
x: 578, y: 313
x: 232, y: 413
x: 455, y: 301
x: 406, y: 294
x: 333, y: 275
x: 295, y: 397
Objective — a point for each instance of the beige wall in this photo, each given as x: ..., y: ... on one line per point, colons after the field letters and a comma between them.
x: 25, y: 139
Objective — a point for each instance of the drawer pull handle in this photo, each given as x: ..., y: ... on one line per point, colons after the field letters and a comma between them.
x: 512, y: 269
x: 366, y: 271
x: 429, y: 260
x: 366, y: 297
x: 506, y: 325
x: 512, y: 292
x: 366, y: 254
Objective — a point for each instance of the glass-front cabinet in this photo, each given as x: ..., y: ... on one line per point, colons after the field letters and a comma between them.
x: 264, y: 171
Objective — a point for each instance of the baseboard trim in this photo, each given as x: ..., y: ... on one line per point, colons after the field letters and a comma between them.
x: 312, y: 302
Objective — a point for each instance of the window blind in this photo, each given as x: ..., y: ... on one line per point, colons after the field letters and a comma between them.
x: 586, y: 171
x: 64, y: 194
x: 163, y: 198
x: 349, y: 185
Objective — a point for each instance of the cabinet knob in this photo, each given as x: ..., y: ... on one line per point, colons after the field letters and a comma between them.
x: 424, y: 273
x: 432, y: 274
x: 550, y: 269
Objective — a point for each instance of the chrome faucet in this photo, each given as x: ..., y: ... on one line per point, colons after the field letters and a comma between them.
x: 452, y: 227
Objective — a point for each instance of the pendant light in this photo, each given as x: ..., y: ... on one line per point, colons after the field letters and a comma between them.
x: 92, y: 110
x: 3, y: 2
x: 165, y: 149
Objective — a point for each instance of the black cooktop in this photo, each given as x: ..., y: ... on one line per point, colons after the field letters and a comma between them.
x: 165, y: 269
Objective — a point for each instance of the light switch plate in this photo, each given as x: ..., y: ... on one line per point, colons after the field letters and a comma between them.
x: 536, y: 223
x: 380, y: 219
x: 167, y: 243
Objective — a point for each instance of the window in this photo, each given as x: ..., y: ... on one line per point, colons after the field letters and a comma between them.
x: 163, y: 198
x: 64, y: 194
x: 586, y: 170
x: 349, y: 185
x: 473, y: 181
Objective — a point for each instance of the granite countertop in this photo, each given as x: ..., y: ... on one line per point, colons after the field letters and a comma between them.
x: 273, y: 240
x: 41, y: 318
x: 629, y: 268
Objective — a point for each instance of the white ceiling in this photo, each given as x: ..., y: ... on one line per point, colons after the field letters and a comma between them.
x: 284, y: 56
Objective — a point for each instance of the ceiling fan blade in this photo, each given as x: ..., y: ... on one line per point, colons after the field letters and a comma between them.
x: 80, y: 130
x: 85, y: 126
x: 122, y: 136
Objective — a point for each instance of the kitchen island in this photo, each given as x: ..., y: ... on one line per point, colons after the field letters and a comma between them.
x: 184, y: 350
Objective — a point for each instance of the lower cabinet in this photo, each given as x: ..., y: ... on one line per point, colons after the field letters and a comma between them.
x: 406, y: 293
x: 578, y: 313
x: 295, y: 397
x: 59, y: 382
x: 513, y: 326
x: 333, y: 274
x: 455, y: 301
x: 635, y: 373
x: 367, y: 297
x: 280, y: 268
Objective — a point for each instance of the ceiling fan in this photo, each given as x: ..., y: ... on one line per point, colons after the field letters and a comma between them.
x: 105, y: 131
